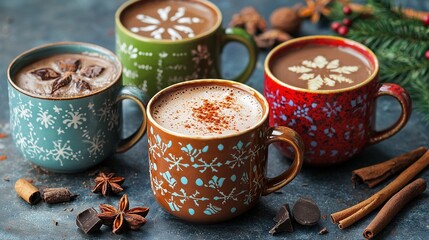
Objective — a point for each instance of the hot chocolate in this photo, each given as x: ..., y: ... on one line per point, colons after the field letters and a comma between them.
x: 324, y: 67
x: 169, y: 19
x: 207, y: 110
x: 66, y: 75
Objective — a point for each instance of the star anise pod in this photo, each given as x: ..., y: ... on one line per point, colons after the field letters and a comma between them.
x: 123, y: 217
x: 314, y: 9
x: 107, y: 183
x: 249, y: 19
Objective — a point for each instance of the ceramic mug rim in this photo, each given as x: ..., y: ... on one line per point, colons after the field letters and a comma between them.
x: 348, y: 42
x: 261, y: 100
x: 96, y: 48
x: 125, y: 30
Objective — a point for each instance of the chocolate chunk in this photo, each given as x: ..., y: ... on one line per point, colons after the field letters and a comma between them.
x: 69, y: 65
x: 92, y: 71
x: 284, y: 223
x: 45, y: 74
x: 83, y: 85
x: 88, y: 221
x: 306, y: 212
x: 61, y: 82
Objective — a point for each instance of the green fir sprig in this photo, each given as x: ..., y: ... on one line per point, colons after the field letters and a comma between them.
x: 400, y: 44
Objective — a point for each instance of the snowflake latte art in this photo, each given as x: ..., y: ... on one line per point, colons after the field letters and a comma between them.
x: 169, y: 20
x: 315, y: 67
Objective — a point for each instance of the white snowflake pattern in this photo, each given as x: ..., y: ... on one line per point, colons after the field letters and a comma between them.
x: 321, y: 72
x: 45, y: 118
x: 162, y: 25
x: 96, y: 144
x: 75, y: 119
x: 201, y: 53
x: 331, y: 109
x: 130, y: 73
x: 129, y: 50
x: 63, y: 151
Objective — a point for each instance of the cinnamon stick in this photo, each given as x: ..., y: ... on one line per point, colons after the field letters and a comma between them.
x: 375, y: 174
x: 27, y: 191
x: 393, y: 206
x: 57, y: 195
x: 347, y: 217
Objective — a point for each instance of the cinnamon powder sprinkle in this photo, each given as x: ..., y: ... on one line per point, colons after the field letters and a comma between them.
x: 210, y: 113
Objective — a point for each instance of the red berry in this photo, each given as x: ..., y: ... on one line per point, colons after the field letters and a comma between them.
x: 426, y: 20
x: 347, y: 10
x: 343, y: 30
x: 335, y: 26
x: 347, y: 22
x: 427, y: 54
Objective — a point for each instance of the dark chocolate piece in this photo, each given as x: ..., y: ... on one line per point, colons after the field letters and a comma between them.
x: 45, y: 74
x: 283, y: 219
x: 61, y: 82
x: 306, y: 212
x: 69, y: 65
x: 92, y: 71
x: 88, y: 221
x: 83, y: 85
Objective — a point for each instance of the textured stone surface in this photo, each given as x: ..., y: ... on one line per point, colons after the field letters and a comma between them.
x: 27, y: 24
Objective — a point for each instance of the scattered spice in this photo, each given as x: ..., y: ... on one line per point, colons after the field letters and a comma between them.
x: 55, y: 222
x: 286, y: 19
x: 57, y: 195
x: 122, y: 217
x: 3, y: 157
x: 27, y: 191
x: 375, y: 174
x: 271, y: 38
x: 314, y: 9
x: 107, y: 183
x: 347, y: 217
x: 3, y: 135
x: 6, y: 179
x: 393, y: 206
x: 249, y: 19
x: 210, y: 112
x: 323, y: 231
x: 68, y: 209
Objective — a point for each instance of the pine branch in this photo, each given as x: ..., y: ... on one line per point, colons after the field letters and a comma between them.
x: 385, y: 9
x: 406, y: 35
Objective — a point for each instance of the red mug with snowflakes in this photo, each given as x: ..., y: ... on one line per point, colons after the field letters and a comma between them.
x: 321, y: 97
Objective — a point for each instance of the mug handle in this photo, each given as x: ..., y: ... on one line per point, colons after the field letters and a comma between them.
x: 285, y: 134
x: 241, y: 36
x: 404, y: 99
x: 136, y: 95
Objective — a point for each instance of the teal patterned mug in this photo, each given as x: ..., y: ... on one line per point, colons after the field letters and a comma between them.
x: 160, y: 43
x: 74, y: 133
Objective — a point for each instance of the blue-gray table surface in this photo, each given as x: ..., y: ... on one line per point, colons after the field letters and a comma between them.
x: 27, y: 24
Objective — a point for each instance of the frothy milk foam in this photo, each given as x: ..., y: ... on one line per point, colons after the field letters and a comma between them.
x: 207, y: 110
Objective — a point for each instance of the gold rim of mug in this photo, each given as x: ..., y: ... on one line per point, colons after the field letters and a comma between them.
x: 167, y: 41
x: 315, y: 37
x: 261, y: 99
x: 89, y: 45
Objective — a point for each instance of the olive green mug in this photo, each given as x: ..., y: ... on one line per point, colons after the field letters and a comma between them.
x: 172, y: 53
